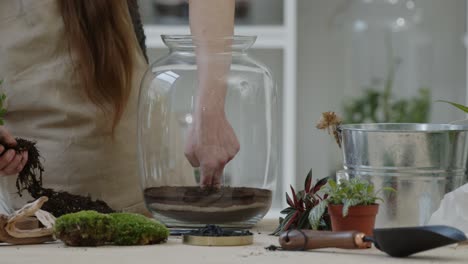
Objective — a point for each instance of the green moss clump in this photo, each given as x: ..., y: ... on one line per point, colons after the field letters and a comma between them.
x: 90, y: 228
x: 135, y: 229
x: 85, y: 228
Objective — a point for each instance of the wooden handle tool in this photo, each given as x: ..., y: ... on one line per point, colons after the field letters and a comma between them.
x: 309, y: 239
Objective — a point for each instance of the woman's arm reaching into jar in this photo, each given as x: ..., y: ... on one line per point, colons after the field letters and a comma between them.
x: 211, y: 142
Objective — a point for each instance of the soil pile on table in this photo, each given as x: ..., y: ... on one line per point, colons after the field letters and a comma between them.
x: 214, y: 206
x: 59, y: 203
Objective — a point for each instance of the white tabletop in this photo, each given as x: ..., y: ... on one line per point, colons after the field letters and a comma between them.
x: 175, y: 252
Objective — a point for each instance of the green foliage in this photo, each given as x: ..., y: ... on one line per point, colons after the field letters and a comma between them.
x: 370, y: 108
x: 355, y: 191
x: 412, y: 110
x: 135, y: 229
x: 379, y: 105
x: 300, y: 206
x: 3, y: 111
x: 317, y: 213
x: 348, y: 193
x: 459, y: 106
x: 90, y: 228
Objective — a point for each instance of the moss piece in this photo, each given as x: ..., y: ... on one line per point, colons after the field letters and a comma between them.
x: 90, y: 228
x: 85, y: 228
x: 135, y: 229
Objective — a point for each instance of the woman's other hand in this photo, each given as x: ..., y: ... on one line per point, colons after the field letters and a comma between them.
x: 211, y: 144
x: 11, y: 163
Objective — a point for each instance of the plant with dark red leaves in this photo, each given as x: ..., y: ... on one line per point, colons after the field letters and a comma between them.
x: 300, y: 205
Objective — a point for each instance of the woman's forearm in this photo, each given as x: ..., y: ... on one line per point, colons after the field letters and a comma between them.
x: 211, y: 141
x: 212, y: 25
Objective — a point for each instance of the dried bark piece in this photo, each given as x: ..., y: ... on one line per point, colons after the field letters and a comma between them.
x: 5, y: 237
x: 46, y: 218
x: 12, y: 233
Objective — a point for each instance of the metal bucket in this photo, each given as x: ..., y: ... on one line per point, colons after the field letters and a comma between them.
x: 422, y: 162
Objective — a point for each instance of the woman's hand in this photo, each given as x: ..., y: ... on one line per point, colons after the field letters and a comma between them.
x: 211, y: 144
x: 11, y: 163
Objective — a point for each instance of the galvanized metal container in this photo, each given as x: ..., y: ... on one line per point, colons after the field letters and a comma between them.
x: 422, y: 162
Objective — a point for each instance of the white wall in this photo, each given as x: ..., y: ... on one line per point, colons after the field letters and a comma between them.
x: 446, y: 23
x: 322, y: 73
x: 320, y: 78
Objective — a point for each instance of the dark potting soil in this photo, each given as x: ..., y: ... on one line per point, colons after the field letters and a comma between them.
x: 59, y: 203
x: 214, y: 206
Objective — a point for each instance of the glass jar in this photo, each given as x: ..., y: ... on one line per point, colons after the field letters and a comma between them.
x: 166, y: 103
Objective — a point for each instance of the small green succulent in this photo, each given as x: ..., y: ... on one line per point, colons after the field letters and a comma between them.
x: 90, y: 228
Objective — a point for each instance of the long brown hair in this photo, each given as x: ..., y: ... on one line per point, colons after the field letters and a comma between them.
x: 102, y: 41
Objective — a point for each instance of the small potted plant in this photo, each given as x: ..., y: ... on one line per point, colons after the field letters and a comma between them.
x: 352, y: 205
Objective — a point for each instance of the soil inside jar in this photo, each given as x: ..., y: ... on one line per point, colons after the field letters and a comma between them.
x: 208, y: 206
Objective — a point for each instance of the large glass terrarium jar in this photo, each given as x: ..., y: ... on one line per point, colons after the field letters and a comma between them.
x: 166, y: 106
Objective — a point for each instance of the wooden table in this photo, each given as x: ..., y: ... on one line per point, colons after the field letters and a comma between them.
x: 175, y: 252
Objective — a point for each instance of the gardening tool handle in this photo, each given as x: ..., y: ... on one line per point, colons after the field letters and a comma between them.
x: 309, y: 239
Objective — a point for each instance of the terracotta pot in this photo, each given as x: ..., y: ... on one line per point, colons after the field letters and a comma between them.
x: 359, y: 218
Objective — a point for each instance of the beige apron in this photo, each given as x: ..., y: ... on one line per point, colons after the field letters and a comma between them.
x: 46, y: 103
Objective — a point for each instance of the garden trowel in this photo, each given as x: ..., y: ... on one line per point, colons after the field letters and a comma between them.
x: 396, y: 242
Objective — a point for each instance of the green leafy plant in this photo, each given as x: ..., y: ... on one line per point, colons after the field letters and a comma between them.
x: 301, y: 204
x: 347, y: 193
x: 3, y: 111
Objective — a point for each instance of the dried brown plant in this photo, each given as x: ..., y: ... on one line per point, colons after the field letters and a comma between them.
x: 331, y: 121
